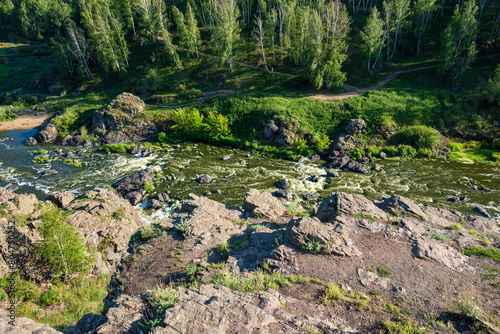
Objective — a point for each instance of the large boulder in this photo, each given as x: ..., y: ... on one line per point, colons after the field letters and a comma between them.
x: 344, y: 143
x: 61, y: 199
x: 401, y: 204
x: 270, y: 131
x: 313, y: 235
x: 121, y: 121
x: 351, y: 204
x: 46, y: 134
x: 432, y: 250
x: 132, y: 187
x: 355, y: 126
x: 288, y: 133
x: 263, y: 204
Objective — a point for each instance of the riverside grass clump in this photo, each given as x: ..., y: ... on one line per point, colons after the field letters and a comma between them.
x: 420, y: 137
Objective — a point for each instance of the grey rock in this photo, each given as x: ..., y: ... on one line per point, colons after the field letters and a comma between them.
x: 163, y: 197
x: 48, y: 172
x: 283, y: 184
x: 481, y: 211
x: 351, y: 204
x: 315, y: 178
x: 355, y: 126
x: 11, y: 187
x: 204, y: 179
x: 132, y: 187
x: 316, y: 157
x: 226, y: 157
x: 61, y: 199
x: 46, y: 134
x: 332, y: 173
x: 311, y: 196
x: 398, y: 203
x: 283, y: 193
x: 263, y: 204
x: 270, y: 130
x: 300, y: 159
x: 155, y: 204
x: 382, y: 155
x: 30, y: 142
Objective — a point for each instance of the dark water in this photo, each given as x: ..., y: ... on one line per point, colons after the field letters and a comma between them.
x: 427, y: 182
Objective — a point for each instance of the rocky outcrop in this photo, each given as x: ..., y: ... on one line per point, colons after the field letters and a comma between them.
x: 132, y: 187
x: 121, y: 121
x: 263, y: 204
x: 343, y: 203
x: 217, y: 309
x: 105, y: 220
x: 431, y: 250
x: 343, y: 144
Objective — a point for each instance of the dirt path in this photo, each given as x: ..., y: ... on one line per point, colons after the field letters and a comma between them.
x: 25, y: 121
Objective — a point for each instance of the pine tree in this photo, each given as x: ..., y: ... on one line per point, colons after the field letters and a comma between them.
x: 373, y: 39
x: 458, y: 47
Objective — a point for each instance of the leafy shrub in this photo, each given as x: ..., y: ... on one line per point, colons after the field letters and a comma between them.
x: 66, y: 121
x: 300, y: 146
x: 217, y: 125
x: 162, y: 137
x: 323, y: 143
x: 63, y: 249
x: 420, y: 136
x: 469, y: 308
x: 357, y: 153
x: 424, y: 152
x: 438, y: 236
x: 223, y: 250
x: 182, y: 226
x: 148, y: 187
x: 187, y: 120
x: 333, y: 293
x: 374, y: 150
x: 406, y: 151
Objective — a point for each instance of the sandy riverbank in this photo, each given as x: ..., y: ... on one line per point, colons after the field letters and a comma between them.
x: 24, y: 121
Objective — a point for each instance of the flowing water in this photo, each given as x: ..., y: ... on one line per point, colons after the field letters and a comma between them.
x: 425, y: 181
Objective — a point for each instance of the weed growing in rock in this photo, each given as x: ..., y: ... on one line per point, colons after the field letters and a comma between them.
x: 182, y: 226
x: 161, y: 299
x: 223, y: 250
x: 438, y: 236
x: 382, y: 272
x: 468, y: 307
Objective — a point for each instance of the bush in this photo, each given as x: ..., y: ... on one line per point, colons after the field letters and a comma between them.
x: 187, y: 120
x: 63, y: 249
x: 406, y: 151
x: 420, y: 136
x: 162, y: 137
x: 323, y: 143
x: 66, y: 121
x: 217, y: 125
x: 357, y: 153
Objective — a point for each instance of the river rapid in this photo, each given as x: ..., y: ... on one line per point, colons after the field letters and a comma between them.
x: 425, y: 181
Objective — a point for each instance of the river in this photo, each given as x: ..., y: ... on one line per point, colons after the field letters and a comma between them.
x: 425, y: 181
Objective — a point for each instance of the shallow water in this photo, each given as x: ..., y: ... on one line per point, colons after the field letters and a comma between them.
x: 425, y: 181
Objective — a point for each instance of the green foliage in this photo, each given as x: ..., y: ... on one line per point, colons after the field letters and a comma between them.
x: 420, y: 136
x: 454, y: 226
x: 406, y: 327
x: 161, y: 299
x: 312, y: 246
x: 187, y: 120
x: 66, y: 122
x: 259, y: 281
x: 438, y: 236
x: 357, y: 153
x: 73, y: 163
x: 322, y: 143
x: 382, y: 272
x: 468, y: 307
x: 483, y: 253
x: 148, y: 187
x: 216, y: 125
x: 301, y: 147
x: 181, y: 226
x: 365, y: 216
x: 223, y: 250
x: 333, y: 294
x: 62, y: 249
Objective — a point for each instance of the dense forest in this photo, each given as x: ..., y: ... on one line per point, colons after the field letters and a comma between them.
x: 312, y: 35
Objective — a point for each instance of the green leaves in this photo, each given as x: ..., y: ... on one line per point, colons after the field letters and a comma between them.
x: 62, y: 249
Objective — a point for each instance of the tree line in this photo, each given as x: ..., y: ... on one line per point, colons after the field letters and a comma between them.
x: 314, y: 35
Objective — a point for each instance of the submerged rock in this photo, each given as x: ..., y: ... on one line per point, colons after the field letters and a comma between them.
x: 481, y: 211
x: 203, y: 179
x: 48, y: 172
x: 283, y: 184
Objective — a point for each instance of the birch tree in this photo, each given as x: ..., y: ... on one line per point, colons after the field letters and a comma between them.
x: 372, y: 36
x: 192, y: 29
x: 226, y: 31
x: 160, y: 25
x: 77, y: 46
x: 458, y: 47
x: 258, y: 35
x: 423, y: 10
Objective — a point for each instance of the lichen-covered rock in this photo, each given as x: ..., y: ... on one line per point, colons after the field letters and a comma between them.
x: 263, y: 204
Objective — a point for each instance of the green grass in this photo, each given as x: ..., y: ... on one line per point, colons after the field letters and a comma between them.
x: 406, y: 327
x: 483, y: 253
x: 60, y: 305
x: 382, y: 272
x: 438, y: 236
x: 259, y: 281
